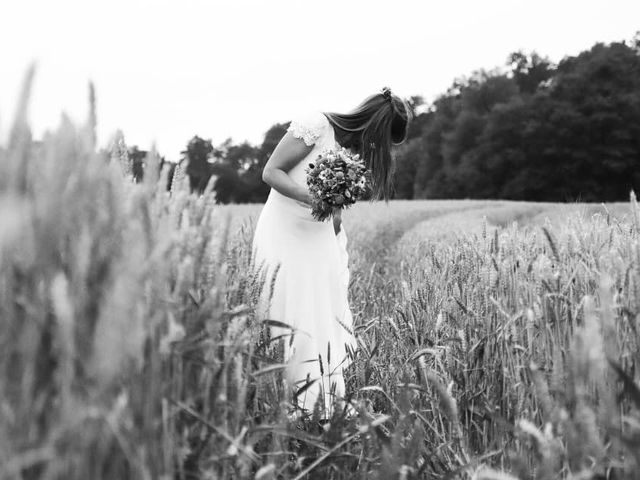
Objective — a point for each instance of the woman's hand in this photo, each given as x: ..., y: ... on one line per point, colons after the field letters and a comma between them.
x: 305, y: 199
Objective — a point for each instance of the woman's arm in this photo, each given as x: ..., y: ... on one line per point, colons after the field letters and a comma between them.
x: 287, y: 154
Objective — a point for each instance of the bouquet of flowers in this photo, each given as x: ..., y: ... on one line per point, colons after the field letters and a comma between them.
x: 335, y: 180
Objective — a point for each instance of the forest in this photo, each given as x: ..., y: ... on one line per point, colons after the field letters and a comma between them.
x: 529, y: 130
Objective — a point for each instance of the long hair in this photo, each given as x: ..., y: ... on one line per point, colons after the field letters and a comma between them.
x: 370, y: 129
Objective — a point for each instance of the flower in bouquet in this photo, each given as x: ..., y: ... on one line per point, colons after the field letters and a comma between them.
x: 336, y: 179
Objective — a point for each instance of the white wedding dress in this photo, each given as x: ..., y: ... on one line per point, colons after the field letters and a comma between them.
x: 310, y: 288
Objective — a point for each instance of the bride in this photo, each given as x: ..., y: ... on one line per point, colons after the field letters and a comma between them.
x: 307, y: 258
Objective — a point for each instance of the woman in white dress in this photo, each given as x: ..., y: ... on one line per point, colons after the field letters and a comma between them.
x: 308, y: 257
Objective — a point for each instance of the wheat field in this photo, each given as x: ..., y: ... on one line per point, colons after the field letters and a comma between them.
x: 497, y: 339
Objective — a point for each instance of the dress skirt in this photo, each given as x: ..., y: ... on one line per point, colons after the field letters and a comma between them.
x: 309, y: 294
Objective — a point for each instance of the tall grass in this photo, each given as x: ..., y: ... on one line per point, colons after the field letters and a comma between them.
x: 117, y: 314
x: 526, y: 327
x: 129, y: 346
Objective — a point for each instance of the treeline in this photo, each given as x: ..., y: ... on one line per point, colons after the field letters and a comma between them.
x: 535, y: 131
x: 234, y: 169
x: 530, y: 130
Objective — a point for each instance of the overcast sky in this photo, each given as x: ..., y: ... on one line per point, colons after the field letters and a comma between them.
x: 167, y: 70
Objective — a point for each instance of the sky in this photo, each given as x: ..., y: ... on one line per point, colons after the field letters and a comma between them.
x: 165, y: 71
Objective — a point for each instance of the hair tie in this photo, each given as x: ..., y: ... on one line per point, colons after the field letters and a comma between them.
x: 386, y: 93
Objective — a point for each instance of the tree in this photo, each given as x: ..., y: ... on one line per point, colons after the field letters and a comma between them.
x: 171, y: 169
x: 530, y: 71
x: 138, y: 162
x: 409, y: 155
x: 237, y: 168
x: 456, y: 121
x: 578, y: 139
x: 137, y: 157
x: 431, y: 181
x: 257, y: 190
x: 199, y: 169
x: 540, y: 132
x: 635, y: 42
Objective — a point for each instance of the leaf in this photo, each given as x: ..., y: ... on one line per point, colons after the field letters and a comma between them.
x: 279, y: 337
x: 424, y: 351
x: 292, y: 433
x: 271, y: 368
x: 629, y: 385
x: 413, y: 386
x: 380, y: 420
x: 371, y: 388
x: 239, y: 310
x: 265, y: 472
x: 276, y: 323
x: 304, y: 388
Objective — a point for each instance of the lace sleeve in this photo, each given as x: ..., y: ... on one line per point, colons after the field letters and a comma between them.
x: 308, y: 128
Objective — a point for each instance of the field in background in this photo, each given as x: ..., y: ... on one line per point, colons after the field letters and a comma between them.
x: 129, y: 347
x: 457, y: 216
